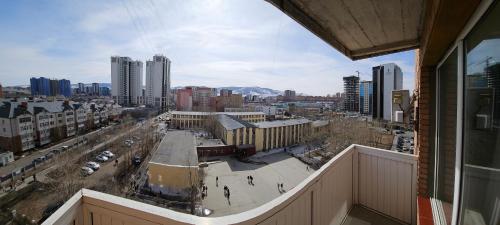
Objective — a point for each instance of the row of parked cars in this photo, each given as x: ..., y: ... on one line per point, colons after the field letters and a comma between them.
x: 405, y: 144
x: 58, y: 150
x: 50, y: 154
x: 90, y: 167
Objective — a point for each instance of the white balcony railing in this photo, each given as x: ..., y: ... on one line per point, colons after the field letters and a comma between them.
x: 381, y: 180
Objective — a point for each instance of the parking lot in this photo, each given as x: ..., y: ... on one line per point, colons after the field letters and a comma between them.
x: 403, y: 142
x: 61, y: 171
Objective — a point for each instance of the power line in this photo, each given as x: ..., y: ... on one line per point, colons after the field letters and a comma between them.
x: 146, y: 45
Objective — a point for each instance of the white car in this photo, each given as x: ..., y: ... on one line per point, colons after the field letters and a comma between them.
x: 108, y: 154
x: 86, y: 171
x: 102, y: 158
x: 93, y: 165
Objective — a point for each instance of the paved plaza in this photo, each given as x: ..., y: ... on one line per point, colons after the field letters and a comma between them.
x: 281, y: 168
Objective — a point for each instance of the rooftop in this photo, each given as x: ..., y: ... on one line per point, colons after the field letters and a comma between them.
x: 280, y: 123
x: 319, y: 123
x: 177, y: 148
x: 228, y: 122
x: 216, y: 113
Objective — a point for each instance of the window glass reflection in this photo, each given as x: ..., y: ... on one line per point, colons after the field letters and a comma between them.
x: 481, y: 157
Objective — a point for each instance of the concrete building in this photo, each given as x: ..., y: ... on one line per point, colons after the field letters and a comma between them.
x: 40, y: 86
x: 6, y: 157
x: 289, y: 95
x: 263, y: 135
x: 80, y: 118
x: 184, y: 100
x: 280, y: 133
x: 366, y: 97
x: 225, y: 92
x: 104, y: 91
x: 194, y: 120
x: 202, y: 97
x: 158, y: 82
x: 193, y: 98
x: 227, y: 101
x: 452, y: 178
x: 386, y: 78
x: 50, y: 87
x: 81, y: 88
x: 234, y: 131
x: 64, y: 87
x: 96, y: 89
x: 268, y: 110
x: 173, y: 168
x: 400, y: 104
x: 351, y: 90
x: 17, y: 127
x: 126, y: 81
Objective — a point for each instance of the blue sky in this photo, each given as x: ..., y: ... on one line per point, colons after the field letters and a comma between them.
x: 212, y: 43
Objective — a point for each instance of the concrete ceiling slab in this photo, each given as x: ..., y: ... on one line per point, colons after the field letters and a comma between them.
x: 360, y: 28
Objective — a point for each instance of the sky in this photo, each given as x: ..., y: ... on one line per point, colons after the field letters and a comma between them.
x: 211, y: 43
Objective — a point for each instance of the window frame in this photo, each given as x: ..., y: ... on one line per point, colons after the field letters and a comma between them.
x: 480, y: 11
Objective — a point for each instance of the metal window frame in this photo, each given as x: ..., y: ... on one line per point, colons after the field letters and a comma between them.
x: 459, y: 45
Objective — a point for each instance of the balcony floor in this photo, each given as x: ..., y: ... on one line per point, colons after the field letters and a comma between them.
x: 362, y: 216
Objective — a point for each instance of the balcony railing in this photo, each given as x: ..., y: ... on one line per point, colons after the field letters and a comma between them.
x: 383, y: 181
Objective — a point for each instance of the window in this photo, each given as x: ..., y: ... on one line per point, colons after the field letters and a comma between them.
x: 445, y: 147
x: 480, y: 198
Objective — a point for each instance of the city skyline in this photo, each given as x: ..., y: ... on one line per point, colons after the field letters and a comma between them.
x: 207, y: 47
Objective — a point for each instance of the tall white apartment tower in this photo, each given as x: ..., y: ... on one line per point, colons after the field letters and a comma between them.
x: 386, y: 78
x: 126, y: 81
x: 158, y: 82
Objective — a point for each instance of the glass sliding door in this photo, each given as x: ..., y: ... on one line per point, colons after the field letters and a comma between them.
x: 480, y: 195
x: 446, y: 137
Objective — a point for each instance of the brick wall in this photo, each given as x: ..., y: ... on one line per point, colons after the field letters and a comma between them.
x: 424, y: 129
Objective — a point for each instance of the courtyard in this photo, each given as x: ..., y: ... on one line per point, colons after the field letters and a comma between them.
x: 267, y: 171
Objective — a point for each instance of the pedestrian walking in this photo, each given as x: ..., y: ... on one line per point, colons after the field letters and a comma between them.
x: 217, y: 181
x: 282, y: 187
x: 278, y: 184
x: 251, y: 180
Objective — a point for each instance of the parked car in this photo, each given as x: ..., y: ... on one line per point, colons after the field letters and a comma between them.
x: 102, y: 158
x: 39, y: 159
x: 86, y: 171
x: 136, y: 160
x: 108, y: 154
x: 49, y: 155
x: 93, y: 165
x: 64, y: 148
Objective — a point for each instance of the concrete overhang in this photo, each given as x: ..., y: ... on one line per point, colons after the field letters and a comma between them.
x: 360, y: 28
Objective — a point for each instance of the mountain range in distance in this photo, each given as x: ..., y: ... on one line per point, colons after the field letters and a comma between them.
x: 260, y: 91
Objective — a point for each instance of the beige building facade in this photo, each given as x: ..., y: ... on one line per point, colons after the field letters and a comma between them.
x: 196, y: 120
x: 173, y: 168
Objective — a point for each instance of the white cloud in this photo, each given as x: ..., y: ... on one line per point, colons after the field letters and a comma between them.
x: 213, y: 43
